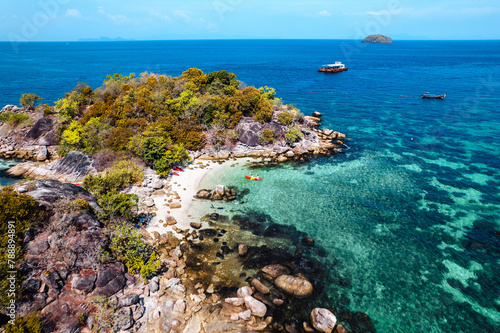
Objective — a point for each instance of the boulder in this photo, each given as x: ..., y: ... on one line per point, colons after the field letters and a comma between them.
x: 220, y: 190
x: 157, y: 185
x: 248, y: 131
x: 128, y: 300
x: 149, y: 203
x: 42, y: 126
x: 271, y: 272
x: 235, y: 301
x: 153, y: 286
x: 203, y: 194
x: 49, y: 191
x: 297, y: 286
x: 74, y: 166
x: 195, y: 225
x: 242, y: 250
x: 244, y: 291
x: 282, y: 158
x: 175, y: 205
x: 109, y: 282
x: 259, y: 286
x: 308, y: 241
x: 123, y: 319
x: 323, y: 320
x: 85, y: 283
x: 37, y: 247
x: 341, y: 329
x: 258, y: 308
x: 317, y: 114
x: 42, y: 154
x: 180, y: 306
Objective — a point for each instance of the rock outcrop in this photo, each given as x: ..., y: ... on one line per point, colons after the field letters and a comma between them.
x: 377, y: 39
x: 72, y: 168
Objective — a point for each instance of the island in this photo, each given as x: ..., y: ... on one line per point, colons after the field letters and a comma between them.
x: 103, y: 237
x: 377, y: 39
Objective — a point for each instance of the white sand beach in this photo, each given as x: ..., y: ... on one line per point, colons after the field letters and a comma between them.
x: 185, y: 186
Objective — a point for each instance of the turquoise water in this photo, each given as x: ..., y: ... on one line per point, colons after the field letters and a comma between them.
x: 409, y: 216
x: 4, y: 165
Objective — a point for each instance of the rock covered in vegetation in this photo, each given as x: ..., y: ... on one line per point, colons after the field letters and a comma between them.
x: 377, y: 39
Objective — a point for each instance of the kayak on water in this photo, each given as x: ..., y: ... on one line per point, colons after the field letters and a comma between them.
x: 253, y: 178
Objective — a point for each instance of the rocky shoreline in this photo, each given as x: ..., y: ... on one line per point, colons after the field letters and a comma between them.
x: 244, y: 274
x: 38, y: 145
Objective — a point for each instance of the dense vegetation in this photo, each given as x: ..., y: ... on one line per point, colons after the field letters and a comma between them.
x: 158, y: 118
x: 23, y: 212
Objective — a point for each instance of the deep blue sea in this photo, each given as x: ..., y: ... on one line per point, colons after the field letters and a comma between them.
x: 410, y: 215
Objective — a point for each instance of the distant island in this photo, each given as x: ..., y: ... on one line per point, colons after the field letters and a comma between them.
x: 104, y: 39
x: 377, y: 39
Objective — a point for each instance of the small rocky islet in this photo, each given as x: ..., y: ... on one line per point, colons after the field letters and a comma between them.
x: 242, y: 273
x: 380, y: 39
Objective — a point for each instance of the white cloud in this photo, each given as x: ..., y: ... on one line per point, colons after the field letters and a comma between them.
x: 324, y: 13
x: 182, y: 14
x: 115, y: 18
x: 163, y: 17
x: 73, y: 13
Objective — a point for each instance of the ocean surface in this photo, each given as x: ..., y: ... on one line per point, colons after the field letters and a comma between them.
x: 409, y: 215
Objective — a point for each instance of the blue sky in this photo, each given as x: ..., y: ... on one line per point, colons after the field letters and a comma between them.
x: 68, y: 20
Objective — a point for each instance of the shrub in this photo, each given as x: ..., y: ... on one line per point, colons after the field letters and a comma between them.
x: 29, y: 324
x: 5, y: 116
x: 115, y: 204
x: 47, y: 110
x: 14, y: 119
x: 128, y: 246
x: 29, y: 100
x: 121, y: 175
x: 67, y: 108
x: 267, y: 136
x: 264, y: 111
x: 294, y: 133
x: 23, y: 212
x: 79, y: 205
x: 285, y: 118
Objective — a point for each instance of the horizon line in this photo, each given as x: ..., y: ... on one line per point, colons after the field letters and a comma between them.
x: 120, y: 39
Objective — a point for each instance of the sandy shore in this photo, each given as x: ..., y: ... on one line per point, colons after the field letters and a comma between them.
x: 186, y: 185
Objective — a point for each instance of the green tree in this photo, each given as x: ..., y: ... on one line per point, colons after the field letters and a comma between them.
x: 29, y: 100
x: 195, y: 77
x: 67, y: 108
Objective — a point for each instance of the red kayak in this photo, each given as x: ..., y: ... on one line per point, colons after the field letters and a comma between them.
x: 175, y: 173
x: 253, y: 178
x: 178, y: 169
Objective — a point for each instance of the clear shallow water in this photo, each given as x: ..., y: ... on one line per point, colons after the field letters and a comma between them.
x: 408, y: 215
x: 5, y: 165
